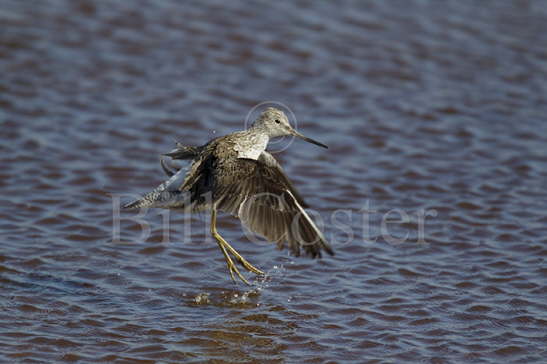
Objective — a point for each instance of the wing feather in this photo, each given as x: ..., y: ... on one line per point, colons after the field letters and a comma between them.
x: 267, y: 203
x: 181, y: 190
x: 166, y: 195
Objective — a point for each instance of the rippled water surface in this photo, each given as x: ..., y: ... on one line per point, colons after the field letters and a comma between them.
x: 434, y: 112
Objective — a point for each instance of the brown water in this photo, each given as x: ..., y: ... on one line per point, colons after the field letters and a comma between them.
x: 435, y: 109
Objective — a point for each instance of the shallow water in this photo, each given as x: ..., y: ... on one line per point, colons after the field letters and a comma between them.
x: 433, y: 111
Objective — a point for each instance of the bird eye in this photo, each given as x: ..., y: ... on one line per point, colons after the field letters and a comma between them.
x: 277, y: 121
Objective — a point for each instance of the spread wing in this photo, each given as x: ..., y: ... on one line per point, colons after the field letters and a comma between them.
x: 172, y: 193
x: 267, y: 203
x: 166, y: 195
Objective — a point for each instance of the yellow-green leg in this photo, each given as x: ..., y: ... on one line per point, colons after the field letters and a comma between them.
x: 225, y: 247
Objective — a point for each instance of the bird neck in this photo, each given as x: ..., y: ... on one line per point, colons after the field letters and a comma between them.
x: 252, y: 144
x: 259, y: 130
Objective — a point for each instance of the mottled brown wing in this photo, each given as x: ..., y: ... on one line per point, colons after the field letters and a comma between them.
x: 268, y: 204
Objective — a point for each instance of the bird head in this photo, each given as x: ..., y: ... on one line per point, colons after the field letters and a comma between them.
x: 275, y: 123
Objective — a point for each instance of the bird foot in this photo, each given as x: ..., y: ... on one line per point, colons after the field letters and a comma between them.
x: 232, y: 268
x: 244, y: 262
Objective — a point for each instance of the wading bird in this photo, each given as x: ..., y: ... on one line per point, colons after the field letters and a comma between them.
x: 235, y: 174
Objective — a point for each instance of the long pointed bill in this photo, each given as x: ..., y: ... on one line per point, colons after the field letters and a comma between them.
x: 309, y: 140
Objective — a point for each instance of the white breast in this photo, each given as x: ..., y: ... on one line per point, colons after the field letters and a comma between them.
x: 252, y: 147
